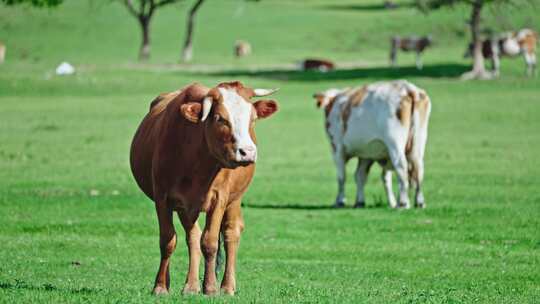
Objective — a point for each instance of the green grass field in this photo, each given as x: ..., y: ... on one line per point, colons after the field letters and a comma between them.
x: 64, y: 138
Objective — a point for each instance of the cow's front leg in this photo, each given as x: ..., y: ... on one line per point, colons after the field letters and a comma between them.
x: 167, y: 244
x: 232, y: 228
x: 361, y: 175
x: 340, y: 167
x: 530, y: 61
x: 193, y: 241
x: 210, y: 243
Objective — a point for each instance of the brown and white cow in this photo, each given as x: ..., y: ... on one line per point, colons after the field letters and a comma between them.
x: 409, y: 44
x: 512, y: 44
x: 195, y: 151
x: 384, y: 122
x: 242, y: 48
x: 321, y: 65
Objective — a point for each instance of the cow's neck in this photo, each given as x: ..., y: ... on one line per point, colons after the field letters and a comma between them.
x: 201, y: 166
x: 196, y: 169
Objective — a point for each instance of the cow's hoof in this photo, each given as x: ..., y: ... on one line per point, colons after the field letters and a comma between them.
x: 160, y: 291
x: 191, y: 289
x: 420, y: 205
x: 404, y: 206
x: 339, y: 205
x: 360, y: 205
x: 227, y: 291
x: 210, y: 291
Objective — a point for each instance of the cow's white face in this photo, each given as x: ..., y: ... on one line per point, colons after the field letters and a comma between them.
x: 240, y: 115
x: 229, y: 119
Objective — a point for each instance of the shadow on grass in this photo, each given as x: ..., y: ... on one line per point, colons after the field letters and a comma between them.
x: 367, y: 7
x: 310, y: 207
x: 19, y: 284
x: 433, y: 71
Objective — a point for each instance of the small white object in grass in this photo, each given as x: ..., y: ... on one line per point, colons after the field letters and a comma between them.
x: 94, y: 192
x: 2, y: 52
x: 115, y: 192
x: 65, y: 69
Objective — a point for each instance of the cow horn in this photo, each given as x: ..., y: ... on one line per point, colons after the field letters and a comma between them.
x: 206, y: 106
x: 264, y: 92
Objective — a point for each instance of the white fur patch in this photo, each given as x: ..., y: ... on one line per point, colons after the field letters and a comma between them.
x: 240, y: 116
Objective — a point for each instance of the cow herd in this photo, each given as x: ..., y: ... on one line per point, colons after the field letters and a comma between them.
x: 195, y: 151
x: 509, y: 44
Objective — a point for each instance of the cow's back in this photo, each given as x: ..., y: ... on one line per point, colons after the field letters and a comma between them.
x: 145, y: 141
x: 373, y: 114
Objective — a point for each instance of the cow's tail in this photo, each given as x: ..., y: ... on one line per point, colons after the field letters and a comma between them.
x: 417, y: 138
x: 219, y: 254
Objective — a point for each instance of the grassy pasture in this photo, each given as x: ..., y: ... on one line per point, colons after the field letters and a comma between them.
x: 64, y: 138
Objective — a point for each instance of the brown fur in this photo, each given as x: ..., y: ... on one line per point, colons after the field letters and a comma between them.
x: 422, y: 106
x: 409, y: 104
x: 355, y: 99
x: 404, y: 112
x: 529, y: 43
x: 184, y: 165
x: 316, y: 64
x: 328, y: 107
x: 161, y: 101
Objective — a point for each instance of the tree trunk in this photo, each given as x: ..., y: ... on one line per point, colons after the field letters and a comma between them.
x: 187, y: 51
x: 144, y: 52
x: 479, y: 70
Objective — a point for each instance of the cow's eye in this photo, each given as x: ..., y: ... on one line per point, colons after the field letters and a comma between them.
x: 219, y: 119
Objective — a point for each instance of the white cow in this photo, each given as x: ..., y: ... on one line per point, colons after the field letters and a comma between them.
x: 386, y: 122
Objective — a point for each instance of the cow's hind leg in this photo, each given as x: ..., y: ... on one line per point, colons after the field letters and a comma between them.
x: 193, y: 241
x: 341, y: 174
x: 361, y: 175
x: 167, y: 244
x: 386, y: 177
x: 232, y: 228
x: 416, y: 177
x: 210, y: 243
x: 399, y: 161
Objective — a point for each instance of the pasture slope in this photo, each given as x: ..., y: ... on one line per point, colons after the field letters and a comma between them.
x: 75, y: 228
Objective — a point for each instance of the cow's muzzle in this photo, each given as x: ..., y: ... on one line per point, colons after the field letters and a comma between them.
x: 246, y: 154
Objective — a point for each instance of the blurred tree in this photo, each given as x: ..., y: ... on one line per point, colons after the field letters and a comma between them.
x: 478, y: 71
x: 143, y: 12
x: 187, y: 50
x: 38, y: 3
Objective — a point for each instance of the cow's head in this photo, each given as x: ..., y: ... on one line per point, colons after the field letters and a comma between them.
x: 228, y: 116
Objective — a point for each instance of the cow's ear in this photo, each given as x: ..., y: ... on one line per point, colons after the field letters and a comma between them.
x: 319, y: 98
x: 191, y: 111
x: 265, y: 108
